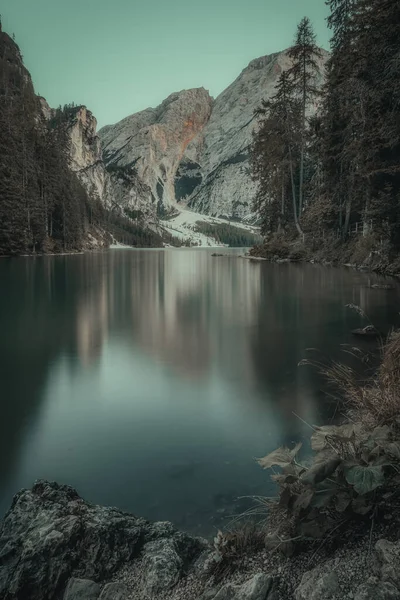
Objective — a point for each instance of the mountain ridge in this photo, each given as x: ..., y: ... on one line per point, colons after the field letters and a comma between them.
x: 211, y: 174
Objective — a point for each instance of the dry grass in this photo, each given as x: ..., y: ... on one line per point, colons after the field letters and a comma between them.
x: 232, y: 545
x: 372, y: 401
x: 369, y: 401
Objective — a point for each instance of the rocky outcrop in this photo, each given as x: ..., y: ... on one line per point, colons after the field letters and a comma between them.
x: 56, y: 546
x: 50, y: 534
x: 152, y: 143
x: 117, y: 189
x: 337, y: 579
x: 196, y: 151
x: 86, y: 154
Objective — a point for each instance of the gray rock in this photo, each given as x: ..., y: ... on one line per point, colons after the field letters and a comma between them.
x: 81, y: 589
x: 114, y: 591
x: 51, y: 534
x: 154, y: 140
x: 387, y: 562
x: 162, y: 566
x: 374, y: 589
x: 322, y: 583
x: 259, y: 587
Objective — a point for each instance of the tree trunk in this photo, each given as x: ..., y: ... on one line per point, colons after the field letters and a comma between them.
x: 303, y: 132
x: 347, y: 217
x: 296, y: 220
x: 366, y: 211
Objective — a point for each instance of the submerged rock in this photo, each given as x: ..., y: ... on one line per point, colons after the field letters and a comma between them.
x: 369, y: 331
x: 383, y: 286
x: 51, y: 534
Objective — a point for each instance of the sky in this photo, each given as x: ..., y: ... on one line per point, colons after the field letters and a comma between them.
x: 121, y: 56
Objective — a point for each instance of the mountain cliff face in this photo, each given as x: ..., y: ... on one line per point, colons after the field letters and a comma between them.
x: 227, y: 188
x: 194, y: 151
x: 151, y: 144
x: 114, y: 188
x: 86, y: 154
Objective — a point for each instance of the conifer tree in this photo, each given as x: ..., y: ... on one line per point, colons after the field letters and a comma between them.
x: 304, y: 54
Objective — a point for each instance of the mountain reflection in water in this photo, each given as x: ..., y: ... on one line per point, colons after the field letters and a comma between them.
x: 151, y: 379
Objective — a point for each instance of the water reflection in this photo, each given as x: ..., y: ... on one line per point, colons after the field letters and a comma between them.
x: 149, y: 379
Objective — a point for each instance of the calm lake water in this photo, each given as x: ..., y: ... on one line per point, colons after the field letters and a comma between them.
x: 150, y: 379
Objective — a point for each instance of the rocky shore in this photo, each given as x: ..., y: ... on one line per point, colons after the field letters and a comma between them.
x: 55, y: 545
x: 363, y: 254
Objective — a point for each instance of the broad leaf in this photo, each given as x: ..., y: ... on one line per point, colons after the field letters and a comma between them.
x: 317, y: 528
x: 365, y: 479
x: 393, y: 449
x: 283, y: 479
x: 343, y: 433
x: 322, y: 498
x: 381, y: 434
x: 320, y: 471
x: 342, y: 501
x: 282, y: 457
x: 304, y: 500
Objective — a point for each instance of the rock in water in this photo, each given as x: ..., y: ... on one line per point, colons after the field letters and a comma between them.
x: 51, y: 534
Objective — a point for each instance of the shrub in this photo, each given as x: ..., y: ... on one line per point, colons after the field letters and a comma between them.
x: 354, y: 471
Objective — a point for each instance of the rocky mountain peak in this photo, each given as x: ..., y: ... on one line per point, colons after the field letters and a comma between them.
x: 154, y: 141
x: 85, y: 143
x: 194, y: 149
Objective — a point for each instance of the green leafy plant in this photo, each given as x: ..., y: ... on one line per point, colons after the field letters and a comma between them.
x: 350, y: 470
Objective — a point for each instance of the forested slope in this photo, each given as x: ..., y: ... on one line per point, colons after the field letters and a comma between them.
x: 333, y: 180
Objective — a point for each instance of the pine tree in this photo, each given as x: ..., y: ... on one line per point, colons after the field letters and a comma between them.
x: 304, y: 54
x: 275, y: 156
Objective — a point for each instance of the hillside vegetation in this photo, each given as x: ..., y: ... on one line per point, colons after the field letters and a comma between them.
x: 327, y: 162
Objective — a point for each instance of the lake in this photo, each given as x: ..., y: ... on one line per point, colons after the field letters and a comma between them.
x: 150, y: 379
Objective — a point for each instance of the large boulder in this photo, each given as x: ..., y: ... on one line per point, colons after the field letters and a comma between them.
x: 374, y: 589
x: 387, y: 561
x: 162, y: 565
x: 322, y: 583
x: 81, y: 589
x: 259, y: 587
x: 51, y: 534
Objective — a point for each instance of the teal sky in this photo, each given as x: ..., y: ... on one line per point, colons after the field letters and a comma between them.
x: 121, y: 56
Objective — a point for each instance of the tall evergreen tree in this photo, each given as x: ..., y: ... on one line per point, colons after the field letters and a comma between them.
x: 304, y: 54
x: 275, y: 156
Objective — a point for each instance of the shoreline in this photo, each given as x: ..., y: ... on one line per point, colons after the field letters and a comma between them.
x: 54, y: 544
